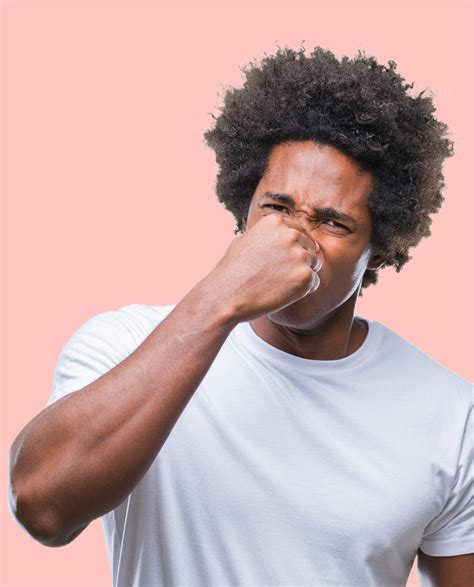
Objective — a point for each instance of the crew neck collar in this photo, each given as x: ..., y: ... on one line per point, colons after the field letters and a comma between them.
x: 256, y: 345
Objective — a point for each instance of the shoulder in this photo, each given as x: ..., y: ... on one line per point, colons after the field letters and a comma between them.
x: 102, y: 342
x: 127, y: 324
x: 139, y: 319
x: 413, y: 366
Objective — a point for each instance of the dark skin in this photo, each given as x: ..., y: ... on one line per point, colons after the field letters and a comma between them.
x: 55, y: 496
x: 446, y: 571
x: 321, y: 325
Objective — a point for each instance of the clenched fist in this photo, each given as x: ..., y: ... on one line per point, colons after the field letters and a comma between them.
x: 272, y: 265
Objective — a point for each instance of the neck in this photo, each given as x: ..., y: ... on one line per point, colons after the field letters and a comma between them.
x: 332, y: 337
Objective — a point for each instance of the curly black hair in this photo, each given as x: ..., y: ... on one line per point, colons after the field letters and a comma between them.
x: 356, y: 105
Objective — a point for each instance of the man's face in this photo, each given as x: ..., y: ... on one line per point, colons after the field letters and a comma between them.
x: 318, y: 176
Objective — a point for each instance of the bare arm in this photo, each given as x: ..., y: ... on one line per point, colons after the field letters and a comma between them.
x: 81, y: 456
x: 446, y: 571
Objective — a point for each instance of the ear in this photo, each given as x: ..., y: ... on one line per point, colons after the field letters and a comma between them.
x: 376, y: 261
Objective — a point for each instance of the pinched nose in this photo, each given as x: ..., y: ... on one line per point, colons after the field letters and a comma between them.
x: 307, y: 231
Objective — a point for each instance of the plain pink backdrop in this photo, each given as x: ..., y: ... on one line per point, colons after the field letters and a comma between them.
x: 108, y: 186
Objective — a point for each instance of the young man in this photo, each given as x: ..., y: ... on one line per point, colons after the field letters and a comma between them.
x: 258, y: 432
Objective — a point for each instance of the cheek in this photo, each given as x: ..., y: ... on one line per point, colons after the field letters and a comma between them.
x: 360, y: 265
x: 343, y: 259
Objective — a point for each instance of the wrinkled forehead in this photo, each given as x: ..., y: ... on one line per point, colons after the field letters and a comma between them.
x: 320, y: 173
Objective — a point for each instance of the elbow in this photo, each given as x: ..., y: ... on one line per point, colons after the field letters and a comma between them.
x: 39, y: 522
x: 46, y: 533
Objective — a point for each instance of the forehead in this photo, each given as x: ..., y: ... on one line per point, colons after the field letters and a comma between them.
x: 318, y: 175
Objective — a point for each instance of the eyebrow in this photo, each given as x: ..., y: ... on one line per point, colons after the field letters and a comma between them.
x: 327, y: 212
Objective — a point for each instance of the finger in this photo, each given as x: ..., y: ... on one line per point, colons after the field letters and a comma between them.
x: 304, y: 237
x: 314, y: 261
x: 306, y: 240
x: 317, y: 264
x: 308, y: 243
x: 315, y: 281
x: 299, y: 227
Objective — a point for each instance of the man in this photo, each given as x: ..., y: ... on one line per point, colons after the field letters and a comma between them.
x: 258, y: 432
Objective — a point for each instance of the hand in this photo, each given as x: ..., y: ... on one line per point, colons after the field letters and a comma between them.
x: 267, y: 268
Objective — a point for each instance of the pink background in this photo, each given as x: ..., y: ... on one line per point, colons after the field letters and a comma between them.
x: 108, y: 186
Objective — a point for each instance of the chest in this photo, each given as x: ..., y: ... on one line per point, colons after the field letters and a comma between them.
x: 313, y: 477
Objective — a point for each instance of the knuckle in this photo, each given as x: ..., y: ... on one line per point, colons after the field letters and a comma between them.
x: 306, y: 274
x: 293, y: 235
x: 287, y: 239
x: 300, y: 255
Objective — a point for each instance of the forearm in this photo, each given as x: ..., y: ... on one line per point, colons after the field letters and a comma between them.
x: 81, y: 456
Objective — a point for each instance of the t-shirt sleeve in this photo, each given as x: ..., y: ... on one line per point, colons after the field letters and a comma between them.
x: 98, y: 345
x: 451, y: 532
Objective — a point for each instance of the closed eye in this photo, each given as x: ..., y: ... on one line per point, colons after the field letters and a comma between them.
x: 274, y: 206
x: 336, y: 224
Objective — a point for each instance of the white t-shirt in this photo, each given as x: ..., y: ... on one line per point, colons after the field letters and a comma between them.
x: 289, y: 471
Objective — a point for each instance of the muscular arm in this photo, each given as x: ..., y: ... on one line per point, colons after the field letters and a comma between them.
x: 81, y: 456
x: 446, y: 571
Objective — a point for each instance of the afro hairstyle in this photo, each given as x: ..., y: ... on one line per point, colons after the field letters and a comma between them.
x: 356, y: 105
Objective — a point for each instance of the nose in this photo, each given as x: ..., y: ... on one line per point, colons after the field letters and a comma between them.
x: 306, y: 223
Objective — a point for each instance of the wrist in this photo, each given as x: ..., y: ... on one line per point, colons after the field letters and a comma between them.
x: 209, y: 299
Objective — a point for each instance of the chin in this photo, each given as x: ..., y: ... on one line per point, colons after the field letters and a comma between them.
x: 302, y: 314
x: 308, y: 312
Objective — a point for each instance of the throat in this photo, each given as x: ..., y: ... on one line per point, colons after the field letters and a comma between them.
x: 329, y: 341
